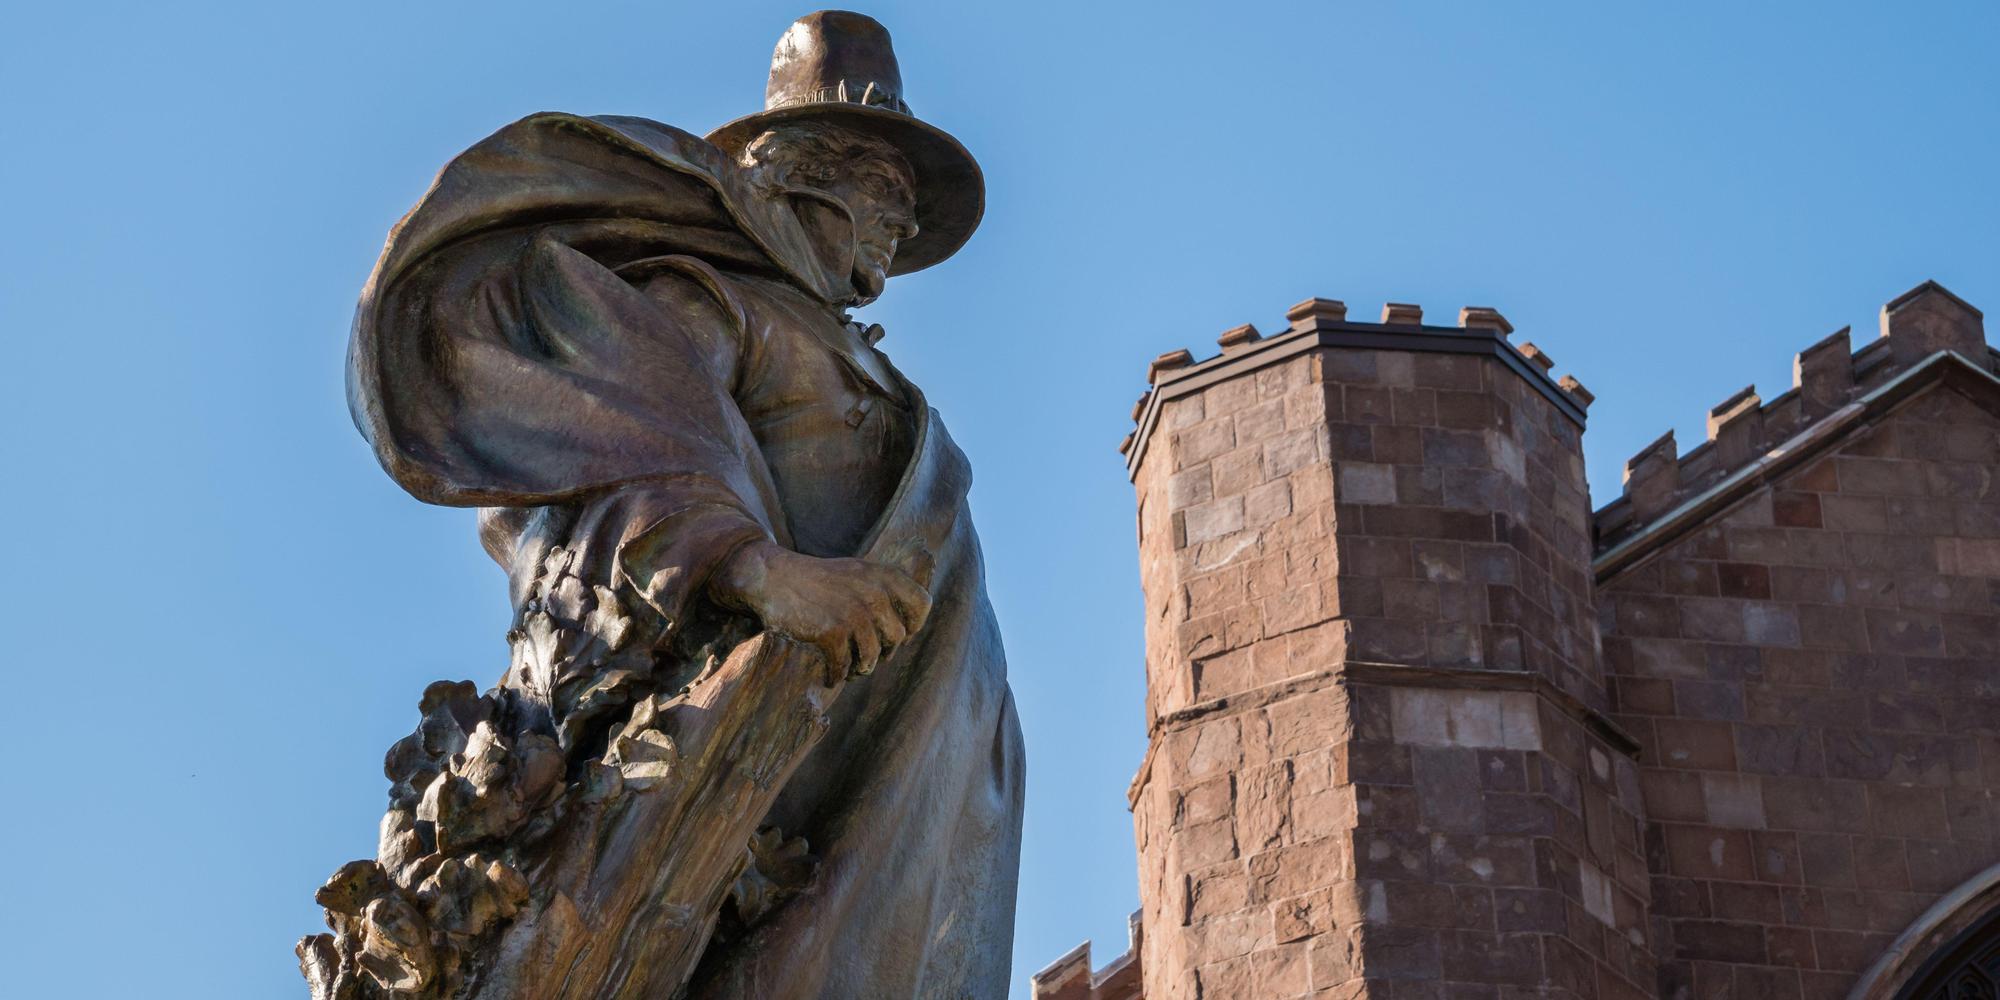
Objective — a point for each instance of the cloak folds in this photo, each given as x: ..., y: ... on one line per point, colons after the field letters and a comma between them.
x: 497, y: 360
x: 504, y: 356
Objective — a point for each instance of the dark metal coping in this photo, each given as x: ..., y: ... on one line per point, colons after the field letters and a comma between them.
x: 1479, y: 342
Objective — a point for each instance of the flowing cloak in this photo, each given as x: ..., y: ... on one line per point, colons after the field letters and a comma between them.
x: 504, y: 356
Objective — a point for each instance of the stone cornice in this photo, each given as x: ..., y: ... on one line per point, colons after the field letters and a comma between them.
x: 1380, y: 675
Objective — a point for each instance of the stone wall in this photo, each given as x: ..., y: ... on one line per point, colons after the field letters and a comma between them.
x: 1237, y: 558
x: 1809, y: 663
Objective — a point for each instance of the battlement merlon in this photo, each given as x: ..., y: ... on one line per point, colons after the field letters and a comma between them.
x: 1318, y: 323
x: 1072, y: 978
x: 1746, y: 433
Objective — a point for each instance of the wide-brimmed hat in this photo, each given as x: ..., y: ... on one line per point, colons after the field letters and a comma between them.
x: 837, y: 67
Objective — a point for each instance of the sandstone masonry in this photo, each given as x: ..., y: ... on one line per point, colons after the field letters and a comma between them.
x: 1424, y: 725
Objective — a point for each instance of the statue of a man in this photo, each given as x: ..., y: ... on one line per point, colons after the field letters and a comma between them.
x: 628, y: 345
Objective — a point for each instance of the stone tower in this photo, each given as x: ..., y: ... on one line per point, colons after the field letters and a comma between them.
x: 1424, y: 725
x: 1378, y: 742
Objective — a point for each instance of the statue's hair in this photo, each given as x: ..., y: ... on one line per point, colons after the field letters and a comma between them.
x: 815, y: 153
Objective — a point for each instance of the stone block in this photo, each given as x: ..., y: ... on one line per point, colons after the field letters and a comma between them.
x: 1364, y: 483
x: 1824, y: 374
x: 1234, y: 935
x: 1786, y: 749
x: 1201, y: 442
x: 1733, y: 800
x: 1493, y: 959
x: 1978, y: 557
x: 1880, y: 863
x: 1695, y: 744
x: 1674, y: 796
x: 1265, y: 504
x: 1212, y: 520
x: 1813, y: 805
x: 1402, y: 314
x: 1308, y: 722
x: 1451, y: 371
x: 1905, y: 811
x: 1473, y: 859
x: 1294, y: 450
x: 1776, y: 855
x: 1297, y: 869
x: 1334, y: 958
x: 1206, y: 844
x: 1317, y: 314
x: 1449, y: 788
x: 1708, y: 852
x: 1446, y: 447
x: 1719, y: 941
x: 1260, y: 422
x: 1206, y: 801
x: 1597, y: 891
x: 1929, y: 318
x: 1881, y: 476
x: 1848, y: 951
x: 1280, y: 971
x: 1400, y: 953
x: 1453, y: 718
x: 1940, y: 865
x: 1214, y: 892
x: 1264, y: 806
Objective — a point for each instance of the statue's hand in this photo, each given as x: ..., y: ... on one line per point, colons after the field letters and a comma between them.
x: 850, y: 609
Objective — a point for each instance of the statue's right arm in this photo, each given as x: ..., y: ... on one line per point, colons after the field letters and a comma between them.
x: 850, y: 610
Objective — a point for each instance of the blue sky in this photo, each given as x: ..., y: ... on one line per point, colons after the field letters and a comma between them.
x: 224, y: 612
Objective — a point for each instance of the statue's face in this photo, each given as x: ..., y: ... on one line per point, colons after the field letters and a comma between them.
x: 883, y: 203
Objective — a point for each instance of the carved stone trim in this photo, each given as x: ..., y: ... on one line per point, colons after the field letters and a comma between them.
x: 1389, y: 675
x: 1401, y: 675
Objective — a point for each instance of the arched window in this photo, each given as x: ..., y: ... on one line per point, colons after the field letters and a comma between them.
x: 1966, y: 968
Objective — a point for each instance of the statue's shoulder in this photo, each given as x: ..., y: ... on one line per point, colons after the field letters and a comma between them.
x: 609, y: 180
x: 564, y: 135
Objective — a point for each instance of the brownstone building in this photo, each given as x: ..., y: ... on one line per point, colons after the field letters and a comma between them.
x: 1425, y: 725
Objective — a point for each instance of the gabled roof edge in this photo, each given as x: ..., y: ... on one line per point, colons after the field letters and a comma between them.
x: 1808, y: 444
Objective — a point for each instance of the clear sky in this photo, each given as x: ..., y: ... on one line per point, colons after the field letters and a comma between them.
x: 222, y: 612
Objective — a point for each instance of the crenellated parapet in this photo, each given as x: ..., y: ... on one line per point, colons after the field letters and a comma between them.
x: 1071, y: 977
x: 1746, y: 433
x: 1317, y: 323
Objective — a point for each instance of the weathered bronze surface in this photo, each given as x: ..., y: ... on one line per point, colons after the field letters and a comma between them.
x: 756, y: 738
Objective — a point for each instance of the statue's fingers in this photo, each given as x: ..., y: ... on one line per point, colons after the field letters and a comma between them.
x: 867, y: 649
x: 879, y: 600
x: 889, y: 623
x: 834, y: 649
x: 912, y: 600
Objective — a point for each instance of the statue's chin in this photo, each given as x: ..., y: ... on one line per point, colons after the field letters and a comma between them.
x: 868, y: 283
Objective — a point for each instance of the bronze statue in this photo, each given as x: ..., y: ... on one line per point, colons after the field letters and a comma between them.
x: 756, y: 740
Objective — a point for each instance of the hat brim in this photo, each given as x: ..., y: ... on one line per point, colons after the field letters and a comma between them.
x: 951, y: 191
